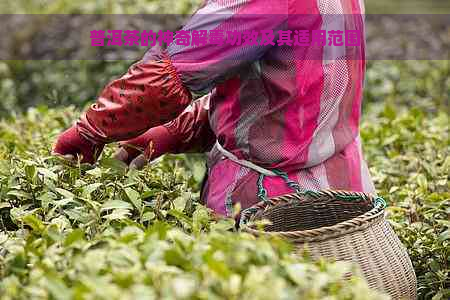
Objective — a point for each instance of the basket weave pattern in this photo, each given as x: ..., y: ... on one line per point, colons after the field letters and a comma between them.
x: 330, y: 225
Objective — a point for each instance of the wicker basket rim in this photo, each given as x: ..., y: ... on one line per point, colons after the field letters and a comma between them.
x: 358, y: 223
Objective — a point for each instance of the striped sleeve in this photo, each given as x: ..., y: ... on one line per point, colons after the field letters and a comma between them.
x: 202, y: 66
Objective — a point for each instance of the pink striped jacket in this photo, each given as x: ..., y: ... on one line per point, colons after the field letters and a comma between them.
x: 292, y: 108
x: 278, y: 105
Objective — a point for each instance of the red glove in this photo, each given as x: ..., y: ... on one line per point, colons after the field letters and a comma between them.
x: 70, y: 144
x: 148, y: 146
x: 189, y: 132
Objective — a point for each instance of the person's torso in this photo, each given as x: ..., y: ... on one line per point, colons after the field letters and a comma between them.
x: 298, y: 105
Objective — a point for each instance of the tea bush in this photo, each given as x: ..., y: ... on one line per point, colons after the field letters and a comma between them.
x: 105, y: 232
x: 409, y: 157
x: 79, y: 232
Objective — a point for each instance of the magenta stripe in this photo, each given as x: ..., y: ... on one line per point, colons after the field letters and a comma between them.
x: 228, y: 112
x: 305, y: 111
x: 353, y: 161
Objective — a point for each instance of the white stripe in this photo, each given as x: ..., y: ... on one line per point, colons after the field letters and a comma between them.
x: 243, y: 162
x: 335, y: 83
x: 362, y: 7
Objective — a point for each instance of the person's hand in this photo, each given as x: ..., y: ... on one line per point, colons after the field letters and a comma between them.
x: 136, y: 152
x: 72, y: 147
x: 139, y: 151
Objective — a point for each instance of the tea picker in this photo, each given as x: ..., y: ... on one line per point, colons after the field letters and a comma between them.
x: 278, y: 118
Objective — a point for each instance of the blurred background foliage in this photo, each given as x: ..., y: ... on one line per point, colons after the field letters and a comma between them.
x: 98, y: 6
x: 186, y: 6
x: 54, y: 83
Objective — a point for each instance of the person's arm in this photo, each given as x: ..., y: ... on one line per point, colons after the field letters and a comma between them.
x: 149, y: 94
x: 159, y: 87
x: 189, y: 132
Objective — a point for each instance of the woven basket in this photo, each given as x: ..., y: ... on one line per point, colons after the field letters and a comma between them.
x: 346, y: 226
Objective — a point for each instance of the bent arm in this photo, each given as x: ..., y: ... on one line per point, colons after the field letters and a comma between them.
x: 148, y: 95
x: 158, y: 88
x: 190, y: 131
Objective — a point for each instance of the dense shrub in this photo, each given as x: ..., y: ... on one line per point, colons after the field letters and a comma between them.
x: 57, y: 218
x: 108, y: 233
x: 104, y: 232
x: 409, y: 158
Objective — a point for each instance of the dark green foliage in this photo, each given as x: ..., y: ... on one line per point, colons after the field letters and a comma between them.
x: 105, y: 232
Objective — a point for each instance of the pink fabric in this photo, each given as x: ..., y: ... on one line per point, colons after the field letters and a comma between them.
x: 343, y: 171
x: 292, y: 108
